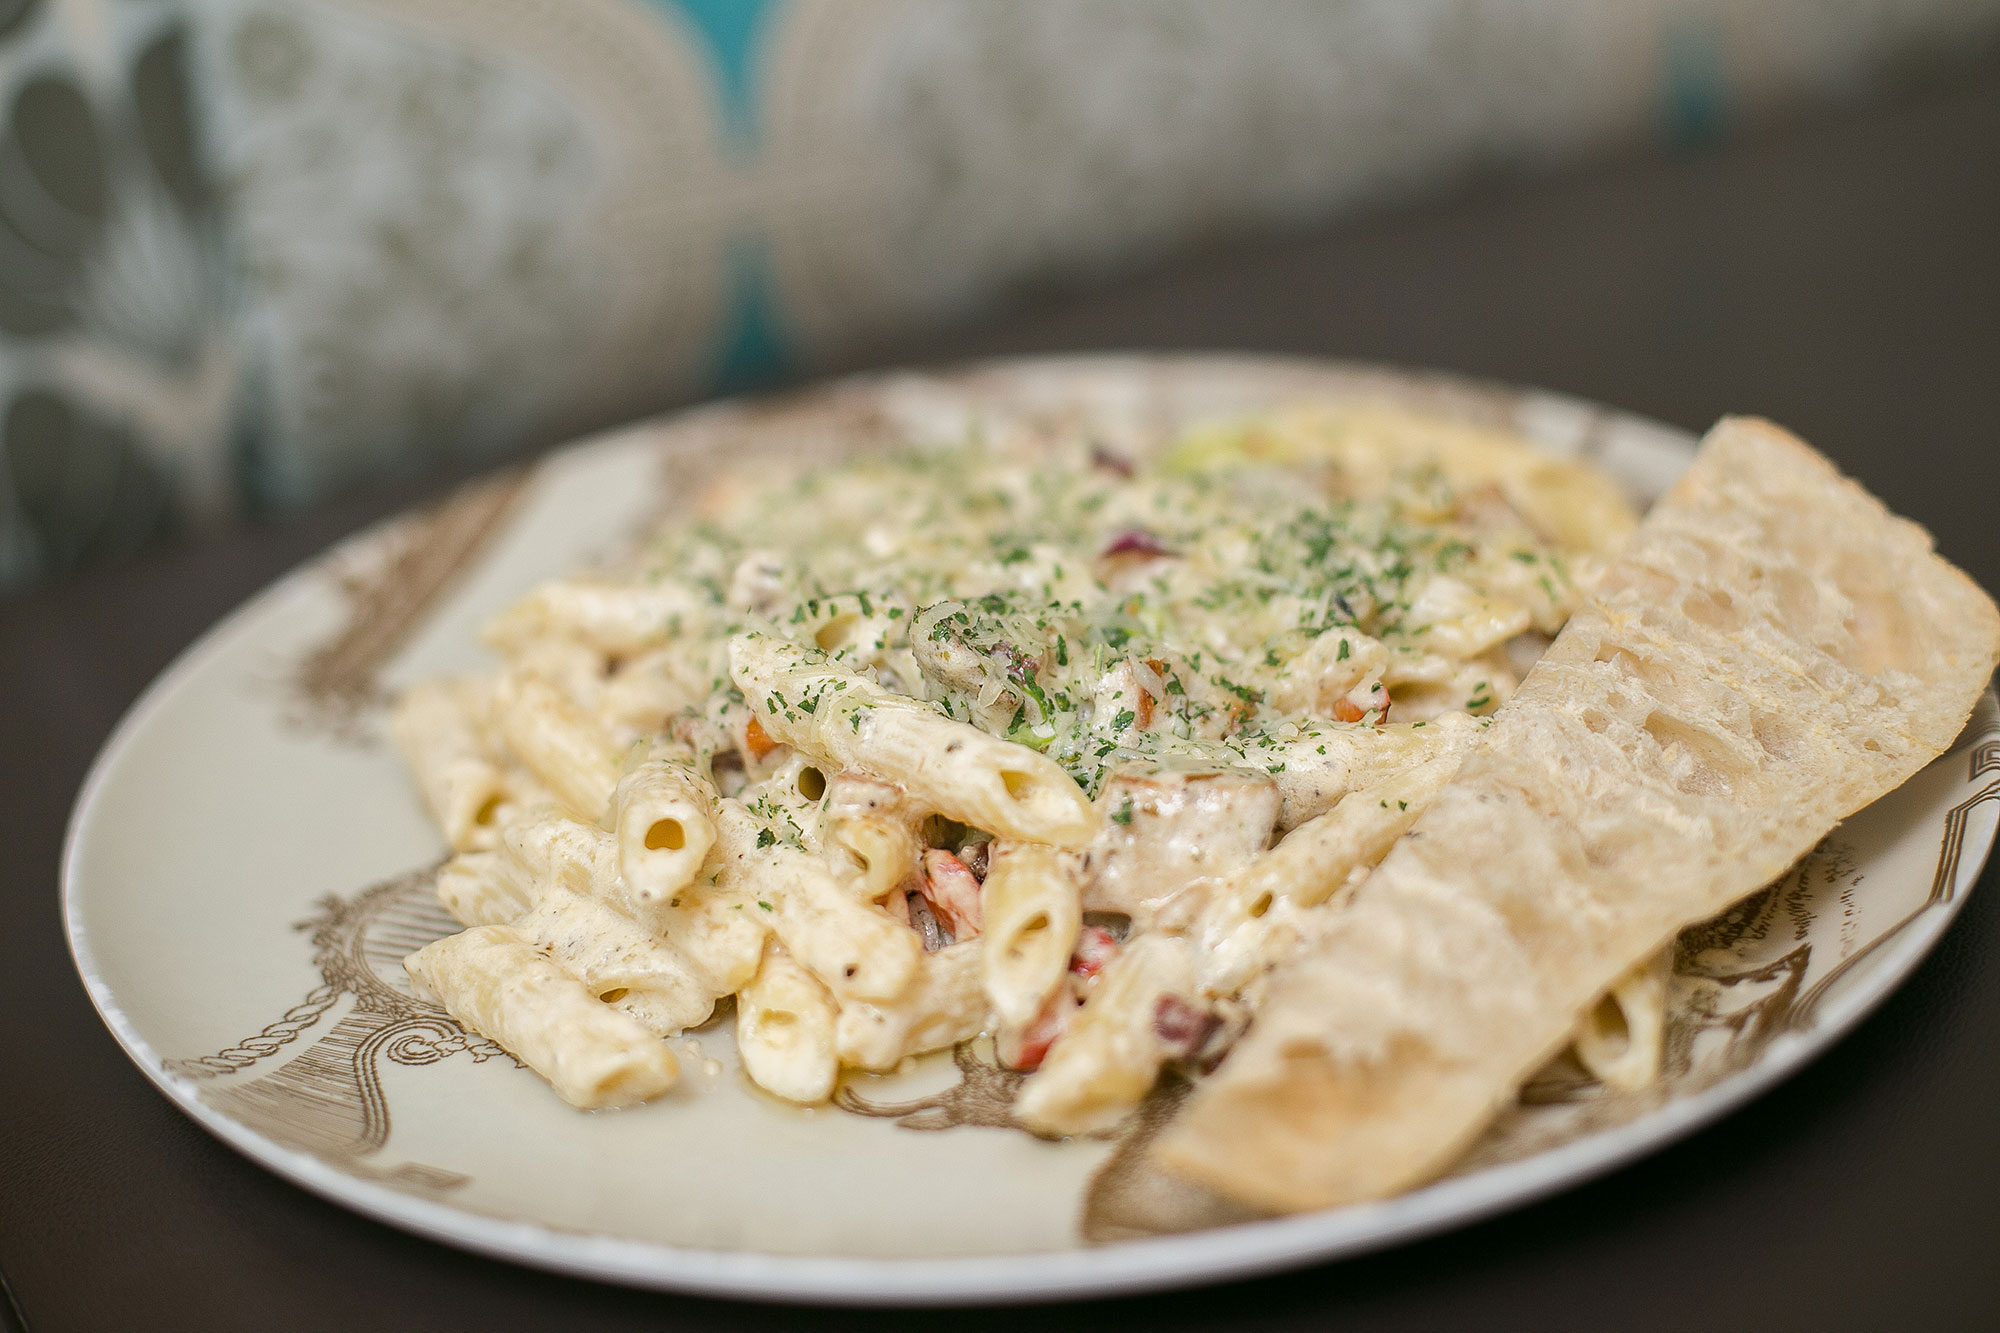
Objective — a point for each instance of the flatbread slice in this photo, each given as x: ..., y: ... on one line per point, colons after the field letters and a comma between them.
x: 1773, y: 651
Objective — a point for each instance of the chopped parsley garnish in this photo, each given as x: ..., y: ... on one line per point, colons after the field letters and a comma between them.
x: 1048, y: 603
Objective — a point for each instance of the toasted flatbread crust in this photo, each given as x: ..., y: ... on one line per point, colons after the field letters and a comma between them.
x: 1774, y: 651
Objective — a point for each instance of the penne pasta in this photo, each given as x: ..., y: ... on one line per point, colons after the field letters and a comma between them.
x: 1255, y: 918
x: 1108, y: 1059
x: 494, y: 982
x: 1621, y: 1038
x: 614, y: 617
x: 462, y: 782
x: 785, y: 1031
x: 620, y: 962
x: 556, y: 743
x: 482, y: 889
x: 720, y: 931
x: 662, y: 812
x: 945, y: 1004
x: 1325, y: 762
x: 1032, y: 912
x: 802, y: 698
x: 873, y: 825
x: 558, y: 849
x: 855, y: 950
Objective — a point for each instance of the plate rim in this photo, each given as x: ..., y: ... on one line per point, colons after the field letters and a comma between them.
x: 1123, y: 1267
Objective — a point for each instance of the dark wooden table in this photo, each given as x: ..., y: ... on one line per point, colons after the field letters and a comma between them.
x: 1842, y: 276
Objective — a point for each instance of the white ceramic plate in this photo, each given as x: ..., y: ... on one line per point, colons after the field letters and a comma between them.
x: 247, y: 866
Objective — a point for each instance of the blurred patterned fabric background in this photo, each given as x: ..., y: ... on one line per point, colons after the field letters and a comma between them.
x: 254, y: 250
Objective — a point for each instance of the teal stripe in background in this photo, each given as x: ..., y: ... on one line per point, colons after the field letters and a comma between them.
x: 750, y: 349
x: 731, y: 31
x: 1695, y: 106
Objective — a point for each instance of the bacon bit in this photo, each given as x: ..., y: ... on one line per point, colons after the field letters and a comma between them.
x: 756, y: 740
x: 1231, y: 1022
x: 1026, y: 1050
x: 1095, y: 946
x: 953, y: 894
x: 1181, y: 1027
x: 1110, y: 462
x: 1136, y: 541
x: 1240, y: 712
x: 1144, y: 712
x: 1375, y: 700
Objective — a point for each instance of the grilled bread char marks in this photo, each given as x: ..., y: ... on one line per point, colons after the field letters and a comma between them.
x: 1774, y: 651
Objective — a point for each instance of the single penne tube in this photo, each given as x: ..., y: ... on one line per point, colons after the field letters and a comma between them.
x: 617, y: 618
x: 1032, y: 906
x: 1326, y: 761
x: 556, y: 743
x: 619, y: 961
x: 1110, y: 1056
x: 789, y: 797
x: 1250, y: 919
x: 497, y: 984
x: 576, y: 670
x: 872, y: 826
x: 804, y: 699
x: 662, y: 811
x: 1334, y: 663
x: 645, y: 692
x: 856, y: 950
x: 720, y: 931
x: 1621, y: 1038
x: 881, y: 853
x: 1463, y: 622
x: 461, y: 780
x: 1319, y: 857
x: 945, y: 1005
x: 558, y: 849
x: 482, y: 889
x: 785, y: 1031
x: 526, y: 801
x: 1486, y: 682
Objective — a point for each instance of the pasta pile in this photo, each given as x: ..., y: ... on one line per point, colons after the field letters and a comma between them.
x: 1021, y: 738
